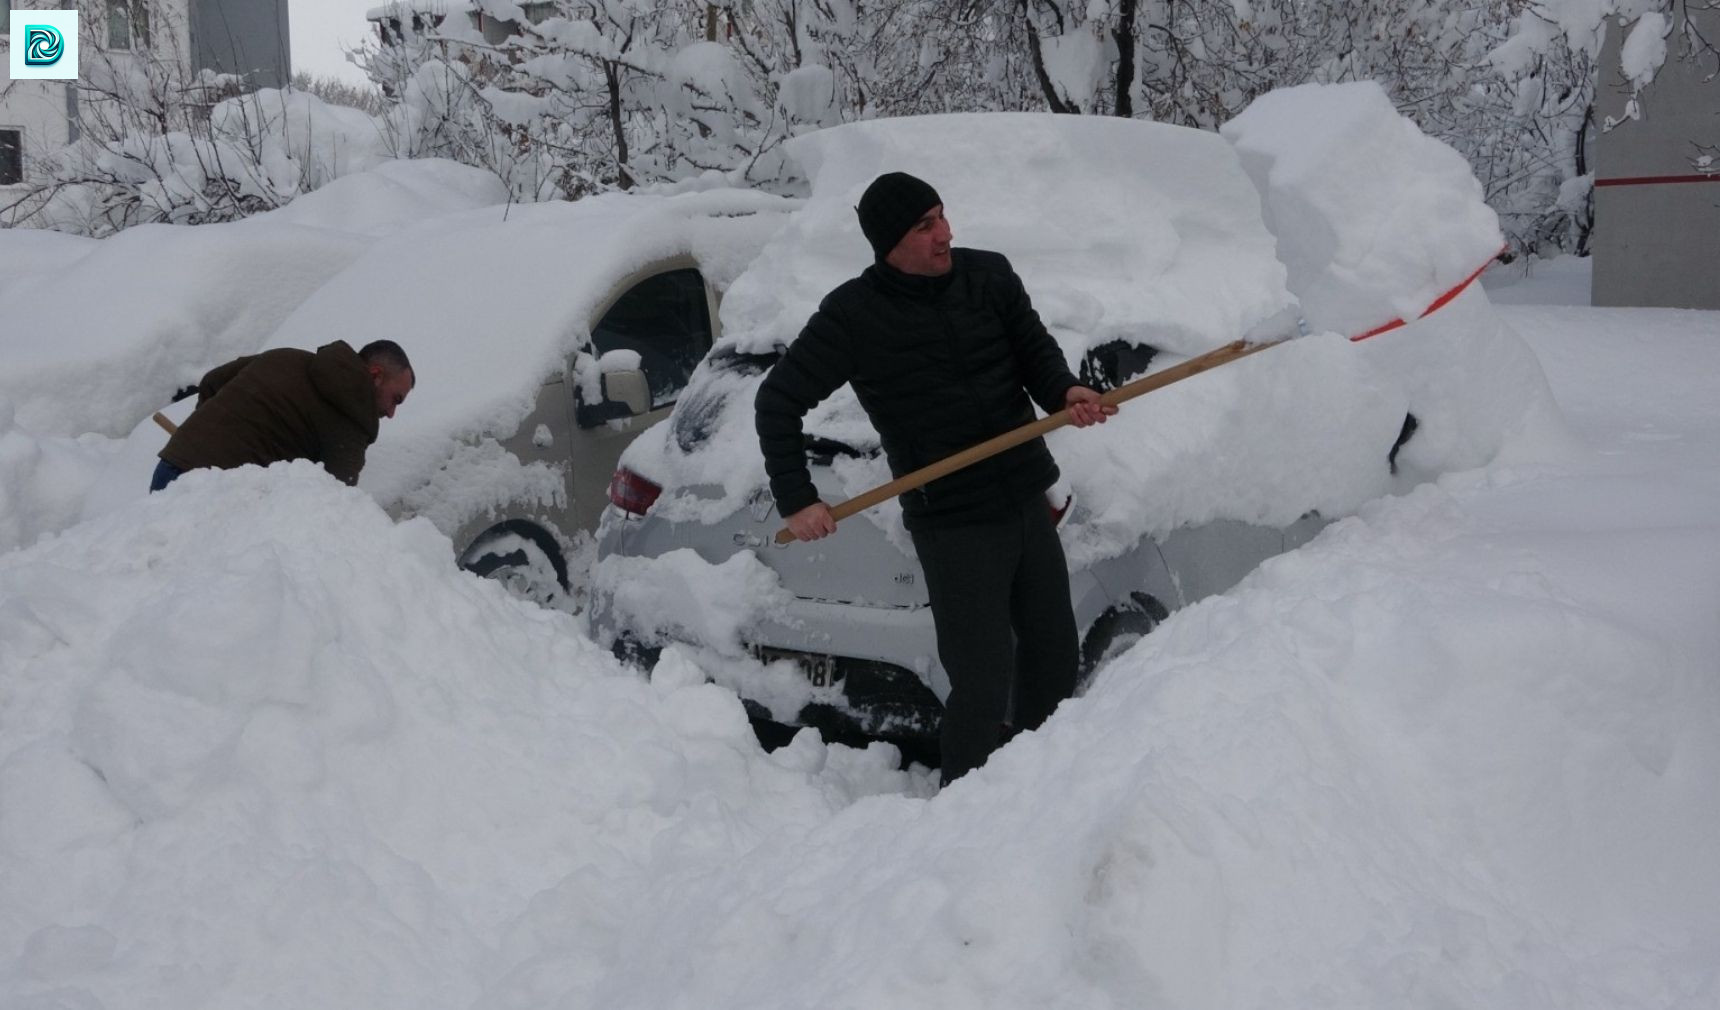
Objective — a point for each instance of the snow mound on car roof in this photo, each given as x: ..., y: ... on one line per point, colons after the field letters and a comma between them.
x: 1374, y: 219
x: 391, y: 196
x: 1150, y: 233
x: 191, y: 297
x: 1121, y: 230
x: 490, y: 304
x: 1377, y: 222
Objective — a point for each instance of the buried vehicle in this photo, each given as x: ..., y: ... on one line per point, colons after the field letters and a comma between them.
x: 1141, y: 245
x: 544, y: 340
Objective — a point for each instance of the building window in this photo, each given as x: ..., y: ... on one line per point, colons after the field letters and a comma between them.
x: 11, y: 157
x: 140, y: 22
x: 118, y: 25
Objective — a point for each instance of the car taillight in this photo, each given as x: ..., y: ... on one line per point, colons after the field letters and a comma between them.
x: 632, y: 493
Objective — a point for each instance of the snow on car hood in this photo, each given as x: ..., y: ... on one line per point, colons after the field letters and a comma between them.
x: 1152, y: 233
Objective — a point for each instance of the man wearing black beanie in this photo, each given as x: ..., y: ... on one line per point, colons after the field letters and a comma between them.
x: 944, y: 350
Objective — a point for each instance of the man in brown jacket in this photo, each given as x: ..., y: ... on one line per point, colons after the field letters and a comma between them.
x: 291, y: 404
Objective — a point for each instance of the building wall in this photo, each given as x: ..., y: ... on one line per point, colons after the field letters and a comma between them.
x: 1657, y: 202
x: 244, y: 37
x: 36, y: 108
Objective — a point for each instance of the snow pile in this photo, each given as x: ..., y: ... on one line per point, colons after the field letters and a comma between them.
x: 1377, y: 222
x: 261, y: 746
x: 115, y: 331
x: 118, y: 324
x: 1119, y: 229
x: 301, y: 142
x: 44, y: 480
x: 1402, y: 766
x: 390, y: 197
x: 1374, y: 219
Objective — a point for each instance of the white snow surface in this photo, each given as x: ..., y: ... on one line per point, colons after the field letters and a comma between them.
x: 261, y: 746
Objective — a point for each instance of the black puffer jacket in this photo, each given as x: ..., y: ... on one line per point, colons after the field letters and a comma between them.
x: 940, y: 364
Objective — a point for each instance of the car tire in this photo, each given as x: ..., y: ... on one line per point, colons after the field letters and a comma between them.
x: 1115, y: 630
x: 524, y: 558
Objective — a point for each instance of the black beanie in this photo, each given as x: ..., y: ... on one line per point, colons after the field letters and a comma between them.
x: 890, y: 206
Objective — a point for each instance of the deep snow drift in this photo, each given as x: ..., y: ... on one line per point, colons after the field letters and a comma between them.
x: 259, y: 746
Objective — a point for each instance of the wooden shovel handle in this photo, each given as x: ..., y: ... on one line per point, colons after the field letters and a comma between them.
x: 166, y: 425
x: 1008, y: 440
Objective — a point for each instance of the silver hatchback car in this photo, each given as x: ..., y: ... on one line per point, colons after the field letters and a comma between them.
x: 1140, y: 244
x: 857, y: 623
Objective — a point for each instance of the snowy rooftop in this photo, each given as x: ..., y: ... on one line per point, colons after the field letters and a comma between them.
x: 399, y: 8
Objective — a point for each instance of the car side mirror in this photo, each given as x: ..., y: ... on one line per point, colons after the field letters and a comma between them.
x: 626, y: 393
x: 627, y: 386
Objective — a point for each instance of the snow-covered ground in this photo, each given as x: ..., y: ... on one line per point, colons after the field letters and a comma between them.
x: 262, y: 747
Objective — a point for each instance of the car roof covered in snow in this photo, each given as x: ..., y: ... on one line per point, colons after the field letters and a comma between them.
x: 1155, y: 234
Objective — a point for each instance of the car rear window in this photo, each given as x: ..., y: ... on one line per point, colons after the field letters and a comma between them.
x: 701, y: 407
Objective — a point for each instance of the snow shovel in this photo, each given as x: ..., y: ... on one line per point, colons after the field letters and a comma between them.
x: 992, y: 446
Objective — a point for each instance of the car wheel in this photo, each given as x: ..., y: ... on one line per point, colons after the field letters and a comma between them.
x: 1115, y: 630
x: 525, y: 559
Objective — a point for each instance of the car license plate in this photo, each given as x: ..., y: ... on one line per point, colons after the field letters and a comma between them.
x: 819, y: 669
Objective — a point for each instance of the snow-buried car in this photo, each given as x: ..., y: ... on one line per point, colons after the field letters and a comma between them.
x: 544, y: 337
x: 1319, y: 211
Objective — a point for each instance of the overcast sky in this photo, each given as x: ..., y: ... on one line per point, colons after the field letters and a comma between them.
x: 321, y: 29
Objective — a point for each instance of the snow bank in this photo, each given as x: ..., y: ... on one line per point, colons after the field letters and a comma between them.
x: 1119, y: 229
x: 263, y: 747
x: 302, y: 142
x: 1374, y: 219
x: 44, y: 481
x: 390, y: 197
x: 1377, y: 222
x: 115, y: 331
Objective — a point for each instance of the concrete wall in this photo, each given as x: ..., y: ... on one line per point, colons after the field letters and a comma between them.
x: 1657, y: 204
x: 245, y: 37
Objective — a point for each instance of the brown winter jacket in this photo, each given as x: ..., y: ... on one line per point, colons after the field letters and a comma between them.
x: 278, y: 405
